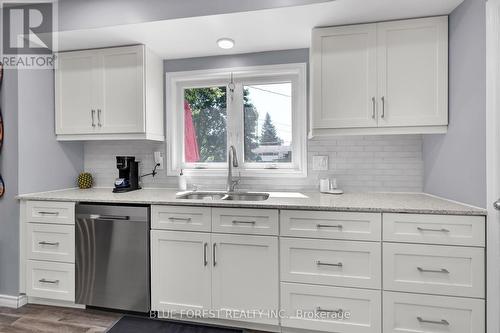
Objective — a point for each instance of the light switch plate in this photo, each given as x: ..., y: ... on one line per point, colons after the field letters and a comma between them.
x: 320, y: 163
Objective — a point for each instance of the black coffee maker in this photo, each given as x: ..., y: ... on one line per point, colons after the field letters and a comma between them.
x: 128, y: 174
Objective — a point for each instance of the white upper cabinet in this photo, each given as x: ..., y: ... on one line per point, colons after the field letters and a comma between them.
x: 113, y: 93
x: 413, y: 72
x: 76, y: 93
x: 383, y: 78
x: 345, y: 76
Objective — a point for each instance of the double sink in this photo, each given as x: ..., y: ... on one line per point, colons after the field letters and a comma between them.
x: 229, y: 196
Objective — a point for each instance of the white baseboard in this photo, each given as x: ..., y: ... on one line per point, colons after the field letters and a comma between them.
x: 13, y: 301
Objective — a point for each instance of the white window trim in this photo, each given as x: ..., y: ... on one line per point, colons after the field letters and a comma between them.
x: 177, y: 81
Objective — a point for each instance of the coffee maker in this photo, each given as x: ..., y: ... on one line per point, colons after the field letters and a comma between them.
x: 128, y: 174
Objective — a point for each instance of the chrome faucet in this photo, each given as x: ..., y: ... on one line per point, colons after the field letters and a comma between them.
x: 232, y: 161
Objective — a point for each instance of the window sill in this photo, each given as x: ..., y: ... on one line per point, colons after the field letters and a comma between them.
x: 255, y: 173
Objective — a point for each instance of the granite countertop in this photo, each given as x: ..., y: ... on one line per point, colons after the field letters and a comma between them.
x: 395, y: 202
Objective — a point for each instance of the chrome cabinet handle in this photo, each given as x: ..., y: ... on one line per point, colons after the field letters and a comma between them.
x: 215, y: 254
x: 374, y: 108
x: 49, y: 243
x: 320, y: 310
x: 92, y: 114
x: 383, y: 107
x: 442, y: 270
x: 436, y: 230
x: 437, y: 322
x: 339, y: 226
x: 48, y: 281
x: 187, y: 219
x: 49, y: 213
x: 99, y: 117
x: 319, y: 263
x: 243, y: 222
x: 205, y: 250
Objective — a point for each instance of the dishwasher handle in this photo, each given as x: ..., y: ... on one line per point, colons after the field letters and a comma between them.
x: 109, y: 217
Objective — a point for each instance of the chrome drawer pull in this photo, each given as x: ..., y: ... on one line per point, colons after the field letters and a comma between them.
x: 319, y: 263
x: 187, y: 219
x: 339, y: 226
x: 320, y: 310
x: 49, y: 213
x: 243, y: 222
x: 49, y: 243
x: 437, y: 322
x: 48, y: 281
x: 436, y: 230
x: 442, y: 270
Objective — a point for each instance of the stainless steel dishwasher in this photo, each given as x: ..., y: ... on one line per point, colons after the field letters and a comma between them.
x: 112, y: 256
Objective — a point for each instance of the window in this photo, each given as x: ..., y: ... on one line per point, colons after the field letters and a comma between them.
x: 259, y: 110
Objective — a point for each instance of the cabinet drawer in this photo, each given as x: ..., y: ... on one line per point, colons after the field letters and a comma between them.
x: 331, y: 309
x: 50, y: 212
x: 333, y: 225
x: 435, y: 229
x: 245, y: 221
x: 52, y: 280
x: 51, y: 242
x: 181, y: 218
x: 424, y: 313
x: 432, y: 269
x: 340, y: 263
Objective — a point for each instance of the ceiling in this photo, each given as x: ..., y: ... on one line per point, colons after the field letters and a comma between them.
x: 254, y: 31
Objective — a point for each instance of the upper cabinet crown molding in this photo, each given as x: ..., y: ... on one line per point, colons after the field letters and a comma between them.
x: 380, y: 78
x: 109, y: 94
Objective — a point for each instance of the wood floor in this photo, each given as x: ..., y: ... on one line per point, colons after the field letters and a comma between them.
x: 34, y: 318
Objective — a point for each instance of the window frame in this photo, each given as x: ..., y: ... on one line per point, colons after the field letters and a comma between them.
x: 176, y: 82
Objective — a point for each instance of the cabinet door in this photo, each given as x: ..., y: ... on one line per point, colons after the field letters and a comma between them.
x: 76, y: 92
x: 413, y: 72
x: 245, y: 276
x: 121, y: 108
x: 180, y: 271
x: 344, y: 77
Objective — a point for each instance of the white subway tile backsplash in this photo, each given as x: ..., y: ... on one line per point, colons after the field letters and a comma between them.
x: 360, y: 163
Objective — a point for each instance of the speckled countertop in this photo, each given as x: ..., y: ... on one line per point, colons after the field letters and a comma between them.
x: 420, y: 203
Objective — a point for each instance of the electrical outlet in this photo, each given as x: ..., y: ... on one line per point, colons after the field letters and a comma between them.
x: 320, y: 163
x: 158, y: 156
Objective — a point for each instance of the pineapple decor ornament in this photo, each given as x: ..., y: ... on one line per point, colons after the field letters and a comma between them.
x: 85, y: 180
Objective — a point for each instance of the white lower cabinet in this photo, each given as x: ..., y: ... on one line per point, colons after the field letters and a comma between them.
x: 245, y: 277
x: 180, y: 271
x: 433, y: 269
x: 235, y: 275
x: 331, y: 309
x: 331, y: 262
x: 50, y: 280
x: 437, y: 314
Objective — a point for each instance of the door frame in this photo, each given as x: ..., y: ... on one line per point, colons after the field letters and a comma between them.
x: 493, y: 163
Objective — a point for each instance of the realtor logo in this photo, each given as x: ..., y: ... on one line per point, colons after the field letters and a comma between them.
x: 27, y: 34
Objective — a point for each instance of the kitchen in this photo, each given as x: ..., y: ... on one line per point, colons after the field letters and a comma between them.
x: 346, y: 155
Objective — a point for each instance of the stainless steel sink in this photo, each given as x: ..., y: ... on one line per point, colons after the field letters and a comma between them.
x: 247, y: 196
x: 203, y: 195
x: 236, y: 196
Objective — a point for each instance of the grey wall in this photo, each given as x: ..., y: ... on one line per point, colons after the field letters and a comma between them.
x: 9, y: 206
x: 44, y: 163
x: 455, y: 163
x: 78, y: 14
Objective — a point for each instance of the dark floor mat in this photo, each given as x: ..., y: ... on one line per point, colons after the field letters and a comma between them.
x: 129, y: 324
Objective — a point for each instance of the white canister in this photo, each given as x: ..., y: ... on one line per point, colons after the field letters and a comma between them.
x: 324, y: 185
